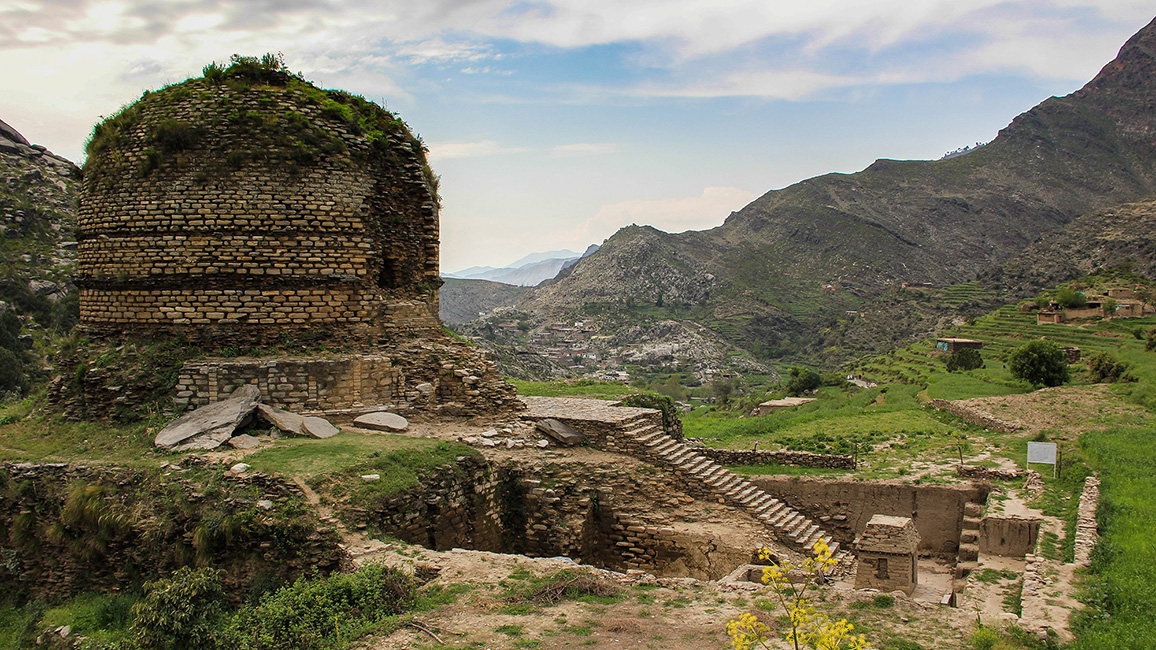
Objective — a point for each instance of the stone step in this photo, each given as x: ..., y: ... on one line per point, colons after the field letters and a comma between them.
x: 968, y: 552
x: 972, y: 509
x: 664, y: 447
x: 969, y: 537
x: 964, y: 569
x: 647, y: 438
x: 696, y: 465
x: 971, y: 523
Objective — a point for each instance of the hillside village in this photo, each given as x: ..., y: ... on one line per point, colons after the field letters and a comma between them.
x: 234, y: 417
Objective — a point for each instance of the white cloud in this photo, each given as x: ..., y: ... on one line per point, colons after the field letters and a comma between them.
x: 583, y: 149
x: 448, y: 150
x: 708, y: 210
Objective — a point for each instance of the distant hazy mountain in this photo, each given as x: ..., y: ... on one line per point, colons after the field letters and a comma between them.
x: 529, y: 271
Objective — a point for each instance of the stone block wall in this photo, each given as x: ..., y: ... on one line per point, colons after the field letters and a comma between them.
x: 271, y: 214
x: 767, y: 457
x: 1009, y: 536
x: 588, y: 513
x: 427, y: 376
x: 845, y: 507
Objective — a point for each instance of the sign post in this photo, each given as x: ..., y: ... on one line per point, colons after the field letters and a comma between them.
x: 1044, y: 452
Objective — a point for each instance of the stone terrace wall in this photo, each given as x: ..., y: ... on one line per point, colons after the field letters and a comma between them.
x: 424, y: 376
x: 844, y: 507
x: 156, y: 522
x: 972, y: 415
x: 243, y: 231
x: 767, y: 457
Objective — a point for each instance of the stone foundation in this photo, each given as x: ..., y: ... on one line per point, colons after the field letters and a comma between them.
x: 766, y: 457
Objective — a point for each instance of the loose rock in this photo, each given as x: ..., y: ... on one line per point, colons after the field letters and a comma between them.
x: 319, y: 428
x: 382, y: 421
x: 564, y: 434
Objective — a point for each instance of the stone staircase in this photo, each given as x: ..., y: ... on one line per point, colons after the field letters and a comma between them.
x: 792, y: 528
x: 969, y: 540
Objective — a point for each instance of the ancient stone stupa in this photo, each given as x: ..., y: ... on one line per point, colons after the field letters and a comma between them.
x: 249, y: 207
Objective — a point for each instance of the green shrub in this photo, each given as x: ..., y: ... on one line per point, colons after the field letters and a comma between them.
x: 324, y: 613
x: 172, y: 136
x: 964, y: 359
x: 1103, y: 367
x: 670, y: 422
x: 1070, y: 299
x: 182, y: 612
x: 984, y: 638
x: 12, y: 379
x: 1040, y: 363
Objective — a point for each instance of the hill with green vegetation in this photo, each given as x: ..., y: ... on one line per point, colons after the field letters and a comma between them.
x: 779, y: 274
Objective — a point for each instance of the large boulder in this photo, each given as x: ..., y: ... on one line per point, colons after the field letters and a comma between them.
x: 319, y: 428
x: 212, y: 424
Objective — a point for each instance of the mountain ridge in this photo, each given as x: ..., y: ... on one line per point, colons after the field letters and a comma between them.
x: 782, y: 269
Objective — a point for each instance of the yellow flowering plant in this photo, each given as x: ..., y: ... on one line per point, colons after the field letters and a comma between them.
x: 810, y: 630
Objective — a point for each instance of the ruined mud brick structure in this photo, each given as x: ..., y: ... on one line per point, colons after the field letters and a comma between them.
x: 251, y: 208
x: 887, y: 555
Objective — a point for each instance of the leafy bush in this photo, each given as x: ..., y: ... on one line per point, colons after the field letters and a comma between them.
x: 1103, y: 367
x: 1040, y: 363
x: 317, y: 614
x: 172, y: 136
x: 964, y: 359
x: 1070, y: 299
x: 12, y: 378
x: 802, y: 380
x: 670, y: 422
x: 181, y: 612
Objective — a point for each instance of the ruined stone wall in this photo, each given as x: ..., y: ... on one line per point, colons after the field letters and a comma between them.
x: 972, y: 415
x: 139, y: 526
x: 268, y: 211
x: 1009, y: 536
x: 844, y: 507
x: 588, y: 513
x: 767, y: 457
x: 422, y: 376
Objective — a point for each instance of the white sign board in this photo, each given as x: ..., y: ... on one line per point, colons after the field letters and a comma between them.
x: 1043, y: 452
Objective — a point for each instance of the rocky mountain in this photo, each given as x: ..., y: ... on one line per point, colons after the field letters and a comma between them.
x: 787, y: 267
x: 37, y: 213
x: 461, y: 301
x: 1122, y: 234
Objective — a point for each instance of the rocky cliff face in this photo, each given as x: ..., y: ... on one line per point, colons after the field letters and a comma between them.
x: 38, y: 206
x: 784, y: 268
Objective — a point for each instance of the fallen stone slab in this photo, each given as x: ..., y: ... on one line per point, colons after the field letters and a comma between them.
x: 243, y: 441
x: 216, y: 418
x: 319, y: 427
x: 206, y: 441
x: 562, y: 433
x: 382, y: 421
x: 286, y: 421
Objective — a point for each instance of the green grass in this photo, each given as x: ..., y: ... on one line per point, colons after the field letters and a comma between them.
x: 312, y: 457
x: 582, y: 388
x: 50, y: 438
x: 1120, y: 593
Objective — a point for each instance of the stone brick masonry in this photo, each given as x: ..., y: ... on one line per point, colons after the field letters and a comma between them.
x: 222, y: 240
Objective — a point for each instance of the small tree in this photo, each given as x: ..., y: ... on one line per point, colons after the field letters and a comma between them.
x: 1070, y: 299
x: 964, y: 359
x: 810, y: 630
x: 1040, y: 363
x: 802, y: 380
x: 722, y: 388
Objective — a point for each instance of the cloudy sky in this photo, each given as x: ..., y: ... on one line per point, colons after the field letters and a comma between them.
x: 555, y: 122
